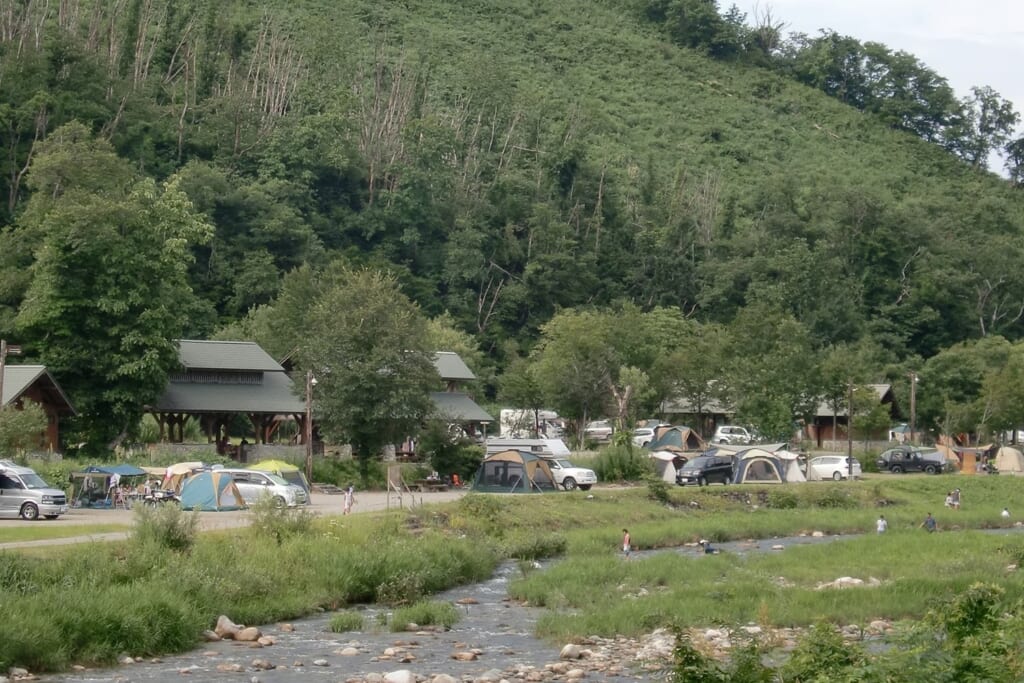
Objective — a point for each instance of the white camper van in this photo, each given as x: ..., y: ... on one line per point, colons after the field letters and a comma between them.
x: 23, y: 493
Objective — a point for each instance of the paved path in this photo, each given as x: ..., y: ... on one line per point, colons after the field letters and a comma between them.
x: 323, y: 504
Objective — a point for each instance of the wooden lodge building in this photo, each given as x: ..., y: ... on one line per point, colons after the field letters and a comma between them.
x: 35, y: 383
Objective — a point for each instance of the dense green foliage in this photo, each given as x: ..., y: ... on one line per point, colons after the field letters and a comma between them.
x: 505, y: 163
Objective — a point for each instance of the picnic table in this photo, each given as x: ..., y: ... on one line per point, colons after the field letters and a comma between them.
x: 429, y: 485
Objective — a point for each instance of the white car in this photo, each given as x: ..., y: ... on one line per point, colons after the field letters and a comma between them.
x: 643, y: 436
x: 256, y: 484
x: 569, y: 477
x: 599, y: 430
x: 835, y: 467
x: 735, y: 435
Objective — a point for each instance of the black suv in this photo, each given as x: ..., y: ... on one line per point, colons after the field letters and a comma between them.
x: 909, y: 459
x: 705, y: 469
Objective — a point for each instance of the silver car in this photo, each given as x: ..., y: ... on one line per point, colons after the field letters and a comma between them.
x: 255, y: 484
x: 23, y: 493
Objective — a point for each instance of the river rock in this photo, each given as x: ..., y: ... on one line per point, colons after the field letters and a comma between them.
x: 464, y: 656
x: 126, y: 659
x: 490, y: 675
x: 400, y: 676
x: 575, y: 674
x: 778, y: 546
x: 17, y: 672
x: 467, y: 601
x: 347, y: 651
x: 320, y: 662
x: 570, y: 651
x: 285, y: 628
x: 818, y: 534
x: 248, y: 635
x: 226, y: 628
x: 211, y: 636
x: 230, y: 667
x: 263, y: 665
x: 444, y: 678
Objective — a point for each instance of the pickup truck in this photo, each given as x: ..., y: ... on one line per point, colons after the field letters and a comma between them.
x: 568, y: 476
x: 910, y: 459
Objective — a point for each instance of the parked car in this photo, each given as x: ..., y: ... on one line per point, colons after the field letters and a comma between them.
x: 706, y: 469
x: 599, y: 430
x: 568, y: 476
x: 911, y: 459
x: 23, y: 493
x: 835, y: 467
x: 643, y: 436
x: 255, y: 484
x: 735, y: 435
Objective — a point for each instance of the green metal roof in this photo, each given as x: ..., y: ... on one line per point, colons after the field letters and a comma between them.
x: 19, y: 378
x: 225, y: 355
x: 274, y: 395
x: 459, y: 406
x: 451, y: 367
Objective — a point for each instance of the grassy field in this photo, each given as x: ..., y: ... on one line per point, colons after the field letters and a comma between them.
x: 65, y: 607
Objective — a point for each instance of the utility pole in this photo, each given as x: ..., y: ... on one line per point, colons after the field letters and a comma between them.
x: 913, y: 406
x: 849, y: 432
x: 5, y: 349
x: 308, y: 436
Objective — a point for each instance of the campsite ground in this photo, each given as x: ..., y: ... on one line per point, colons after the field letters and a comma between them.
x: 323, y: 504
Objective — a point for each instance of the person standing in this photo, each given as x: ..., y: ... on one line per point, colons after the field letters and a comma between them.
x: 956, y: 499
x: 881, y: 525
x: 627, y: 546
x: 350, y: 499
x: 929, y: 524
x: 1005, y: 514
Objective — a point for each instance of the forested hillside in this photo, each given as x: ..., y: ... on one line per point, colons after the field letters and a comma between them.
x: 506, y: 160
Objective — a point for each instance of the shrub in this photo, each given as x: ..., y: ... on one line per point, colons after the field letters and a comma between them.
x: 657, y: 489
x: 823, y: 655
x: 783, y: 500
x: 622, y: 463
x: 346, y: 621
x: 400, y: 588
x: 279, y: 523
x: 166, y: 526
x: 535, y: 547
x: 425, y: 613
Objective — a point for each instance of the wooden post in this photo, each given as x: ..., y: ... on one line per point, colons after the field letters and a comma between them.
x: 309, y: 426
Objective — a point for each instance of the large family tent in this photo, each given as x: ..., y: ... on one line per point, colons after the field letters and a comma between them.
x: 683, y: 438
x: 176, y: 474
x: 287, y: 471
x: 514, y: 471
x: 758, y: 466
x: 1009, y: 461
x: 211, y: 491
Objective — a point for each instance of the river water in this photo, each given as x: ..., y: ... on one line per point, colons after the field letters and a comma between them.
x: 500, y: 630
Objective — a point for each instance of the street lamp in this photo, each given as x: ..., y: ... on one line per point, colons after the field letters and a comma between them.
x: 308, y: 437
x: 4, y: 351
x: 849, y: 432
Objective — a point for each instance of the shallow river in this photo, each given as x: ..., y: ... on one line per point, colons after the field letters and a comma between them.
x: 499, y: 630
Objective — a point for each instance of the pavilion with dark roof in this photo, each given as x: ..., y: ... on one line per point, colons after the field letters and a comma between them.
x: 221, y: 379
x: 35, y: 383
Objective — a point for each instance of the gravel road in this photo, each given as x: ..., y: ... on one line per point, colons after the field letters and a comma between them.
x: 323, y: 504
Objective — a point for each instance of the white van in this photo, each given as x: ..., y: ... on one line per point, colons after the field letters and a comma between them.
x: 23, y: 493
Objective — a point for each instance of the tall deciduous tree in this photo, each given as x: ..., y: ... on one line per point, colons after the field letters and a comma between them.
x: 366, y: 344
x: 108, y: 292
